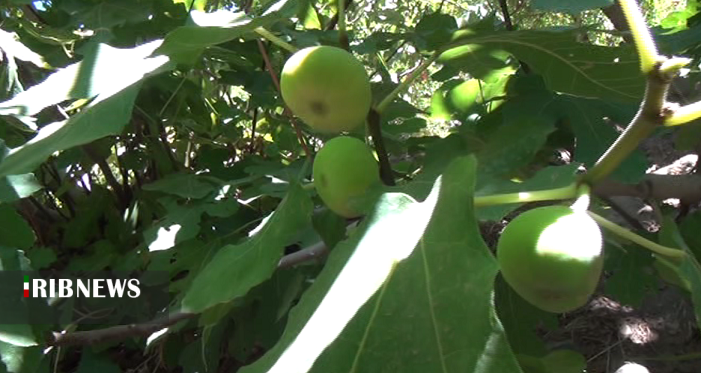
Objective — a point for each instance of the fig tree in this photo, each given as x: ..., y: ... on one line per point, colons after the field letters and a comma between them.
x: 344, y: 169
x: 327, y: 88
x: 552, y: 257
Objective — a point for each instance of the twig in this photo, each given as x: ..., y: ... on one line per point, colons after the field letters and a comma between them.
x: 510, y: 27
x: 686, y: 188
x: 342, y: 34
x: 375, y: 128
x: 334, y: 20
x: 252, y: 144
x: 115, y: 333
x: 304, y: 255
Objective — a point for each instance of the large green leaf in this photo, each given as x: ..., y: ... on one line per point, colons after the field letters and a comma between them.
x: 434, y: 312
x: 566, y: 65
x: 103, y: 71
x: 186, y: 43
x: 235, y: 269
x: 527, y: 120
x: 113, y: 75
x: 183, y: 185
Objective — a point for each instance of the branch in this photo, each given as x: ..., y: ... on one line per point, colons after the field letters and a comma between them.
x: 375, y: 128
x: 647, y: 119
x: 615, y: 14
x: 312, y: 252
x: 686, y: 188
x: 334, y: 20
x: 115, y: 333
x: 510, y: 27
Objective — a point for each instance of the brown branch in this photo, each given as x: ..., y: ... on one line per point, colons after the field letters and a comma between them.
x: 115, y: 333
x: 386, y: 173
x: 615, y: 14
x: 686, y: 188
x: 334, y: 20
x: 510, y: 27
x: 304, y: 255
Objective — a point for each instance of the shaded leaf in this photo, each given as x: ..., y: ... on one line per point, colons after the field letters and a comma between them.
x: 566, y: 65
x: 183, y: 185
x: 15, y: 231
x: 235, y: 269
x: 104, y: 71
x: 186, y: 42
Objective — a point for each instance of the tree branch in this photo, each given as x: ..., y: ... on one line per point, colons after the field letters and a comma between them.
x: 375, y: 128
x: 115, y: 333
x: 686, y: 188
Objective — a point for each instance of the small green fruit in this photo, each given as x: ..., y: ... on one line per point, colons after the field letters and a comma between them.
x: 552, y: 257
x: 327, y: 88
x: 344, y: 169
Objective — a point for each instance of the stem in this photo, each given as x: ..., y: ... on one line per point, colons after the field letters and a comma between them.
x: 583, y: 198
x: 684, y: 114
x: 647, y: 50
x: 342, y: 34
x: 642, y: 241
x: 275, y: 40
x: 647, y: 119
x: 405, y: 84
x: 386, y: 173
x: 521, y: 197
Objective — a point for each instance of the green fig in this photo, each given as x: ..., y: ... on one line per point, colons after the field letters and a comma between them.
x: 327, y: 88
x: 552, y: 257
x: 344, y: 169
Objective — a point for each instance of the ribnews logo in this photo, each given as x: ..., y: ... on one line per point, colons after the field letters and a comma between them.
x: 90, y: 288
x: 98, y: 298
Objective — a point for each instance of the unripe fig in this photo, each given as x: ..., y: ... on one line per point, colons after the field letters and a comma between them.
x: 344, y: 169
x: 327, y: 88
x: 552, y: 257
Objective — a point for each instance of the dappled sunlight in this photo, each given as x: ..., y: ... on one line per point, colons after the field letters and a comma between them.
x: 581, y: 245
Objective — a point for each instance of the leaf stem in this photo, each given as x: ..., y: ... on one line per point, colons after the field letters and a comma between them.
x: 275, y: 40
x: 342, y: 34
x: 632, y: 237
x: 647, y: 50
x: 405, y: 84
x: 684, y: 115
x: 566, y: 192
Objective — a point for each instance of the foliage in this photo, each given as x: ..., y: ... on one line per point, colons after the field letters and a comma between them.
x: 149, y: 137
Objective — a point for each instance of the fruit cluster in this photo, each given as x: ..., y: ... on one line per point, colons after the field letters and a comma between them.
x: 329, y: 90
x: 551, y: 256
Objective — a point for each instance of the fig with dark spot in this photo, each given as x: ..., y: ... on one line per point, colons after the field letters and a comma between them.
x: 327, y: 88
